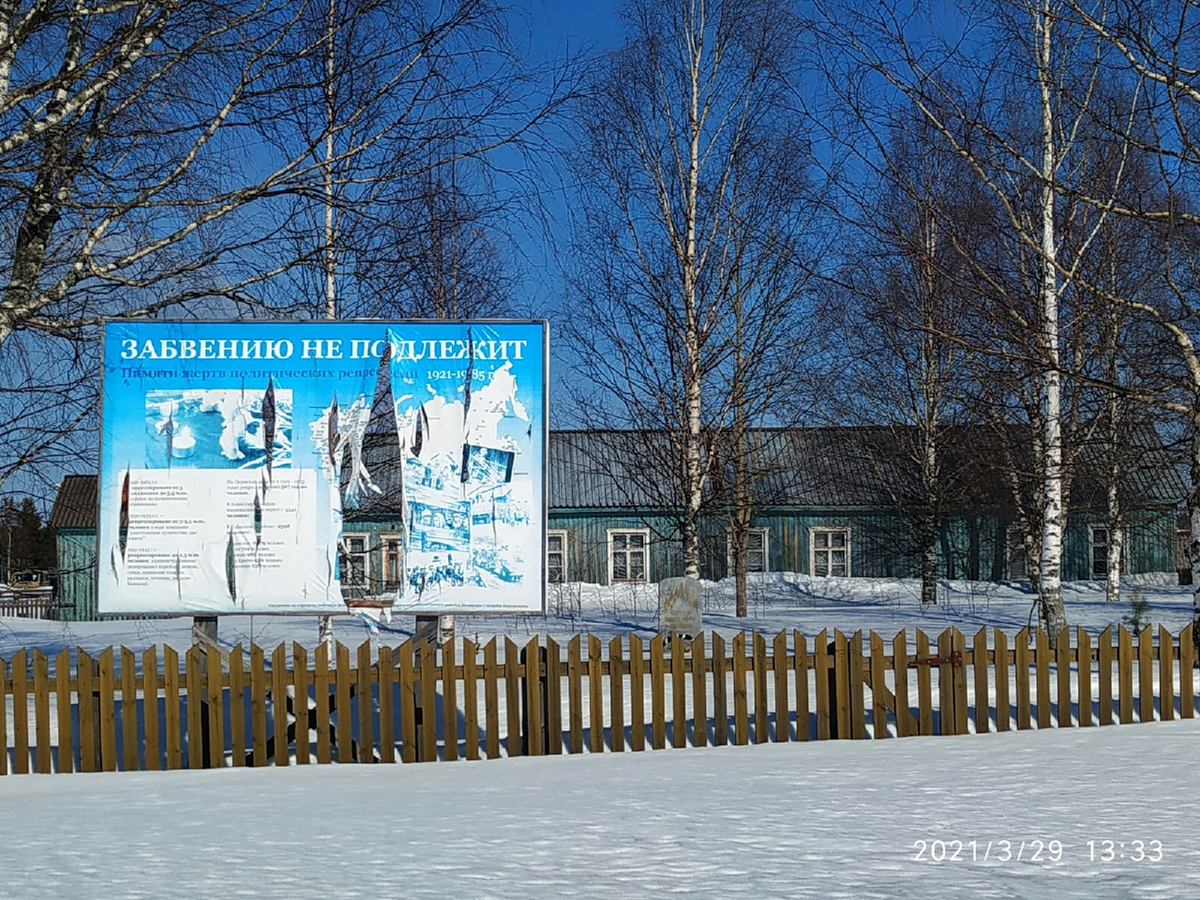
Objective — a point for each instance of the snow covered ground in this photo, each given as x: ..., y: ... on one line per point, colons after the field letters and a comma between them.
x: 999, y: 816
x: 777, y: 601
x: 1007, y: 815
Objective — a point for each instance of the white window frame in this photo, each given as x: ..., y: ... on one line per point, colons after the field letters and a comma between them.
x: 613, y: 534
x: 384, y: 581
x: 813, y: 549
x: 1092, y: 545
x: 561, y: 535
x: 364, y: 554
x: 764, y: 549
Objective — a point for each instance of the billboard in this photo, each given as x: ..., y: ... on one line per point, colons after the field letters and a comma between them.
x: 237, y: 457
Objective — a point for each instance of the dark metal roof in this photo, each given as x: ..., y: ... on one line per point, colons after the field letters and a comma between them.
x: 75, y: 504
x: 813, y: 468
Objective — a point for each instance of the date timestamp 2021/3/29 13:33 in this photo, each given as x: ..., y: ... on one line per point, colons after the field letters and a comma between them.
x: 1036, y: 850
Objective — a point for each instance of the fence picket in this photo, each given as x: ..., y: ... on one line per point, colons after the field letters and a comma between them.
x: 780, y: 667
x: 280, y: 703
x: 741, y: 715
x: 491, y: 699
x: 323, y: 694
x: 958, y: 676
x: 258, y: 705
x: 470, y: 655
x: 857, y: 675
x: 761, y: 716
x: 616, y: 694
x: 129, y: 716
x: 1125, y: 674
x: 1041, y: 662
x: 1000, y: 656
x: 1063, y: 657
x: 595, y: 674
x: 108, y: 712
x: 801, y: 667
x: 1145, y: 654
x: 637, y: 694
x: 449, y: 701
x: 841, y: 664
x: 172, y: 721
x: 366, y: 705
x: 821, y: 669
x: 195, y: 740
x: 300, y: 701
x: 1104, y: 666
x: 554, y: 675
x: 1083, y: 672
x: 720, y: 692
x: 427, y: 656
x: 512, y: 696
x: 534, y: 735
x: 3, y: 717
x: 86, y: 676
x: 983, y: 695
x: 408, y: 703
x: 924, y: 685
x: 1187, y: 660
x: 947, y: 720
x: 343, y: 737
x: 237, y: 707
x: 216, y: 707
x: 62, y: 692
x: 678, y: 695
x: 658, y: 702
x: 700, y: 693
x: 20, y: 695
x: 41, y: 712
x: 905, y: 724
x: 387, y: 708
x: 1021, y: 665
x: 1166, y: 676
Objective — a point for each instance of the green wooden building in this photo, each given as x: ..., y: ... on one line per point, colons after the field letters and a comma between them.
x: 829, y: 502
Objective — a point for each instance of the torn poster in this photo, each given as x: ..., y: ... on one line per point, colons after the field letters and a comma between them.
x: 316, y: 467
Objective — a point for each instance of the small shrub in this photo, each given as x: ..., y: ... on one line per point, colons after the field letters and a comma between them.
x: 1139, y: 612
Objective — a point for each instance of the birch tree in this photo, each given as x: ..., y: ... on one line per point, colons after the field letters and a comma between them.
x: 667, y: 132
x: 973, y: 89
x: 161, y: 158
x: 1153, y: 46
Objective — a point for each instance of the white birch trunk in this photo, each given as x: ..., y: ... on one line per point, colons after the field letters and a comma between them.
x: 1050, y: 567
x: 692, y: 385
x: 1116, y: 540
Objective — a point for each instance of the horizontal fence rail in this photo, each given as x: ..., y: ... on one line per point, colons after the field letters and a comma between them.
x: 211, y: 708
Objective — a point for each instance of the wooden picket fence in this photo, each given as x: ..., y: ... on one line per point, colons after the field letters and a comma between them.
x: 214, y: 708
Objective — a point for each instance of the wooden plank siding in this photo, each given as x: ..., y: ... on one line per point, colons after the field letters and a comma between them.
x: 105, y: 714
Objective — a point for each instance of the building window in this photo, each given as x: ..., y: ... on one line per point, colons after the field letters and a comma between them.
x: 393, y: 554
x: 627, y: 559
x: 556, y: 557
x: 1099, y: 540
x: 356, y: 566
x: 830, y: 552
x: 1018, y: 555
x: 756, y: 551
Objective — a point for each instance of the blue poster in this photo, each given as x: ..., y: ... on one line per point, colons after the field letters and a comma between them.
x: 293, y: 467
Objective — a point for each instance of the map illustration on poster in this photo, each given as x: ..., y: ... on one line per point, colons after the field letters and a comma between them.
x: 237, y: 456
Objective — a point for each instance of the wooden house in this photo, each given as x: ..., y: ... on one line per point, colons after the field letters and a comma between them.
x: 837, y: 502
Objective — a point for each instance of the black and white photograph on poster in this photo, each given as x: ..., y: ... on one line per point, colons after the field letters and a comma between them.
x: 435, y: 528
x: 485, y: 467
x: 219, y: 428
